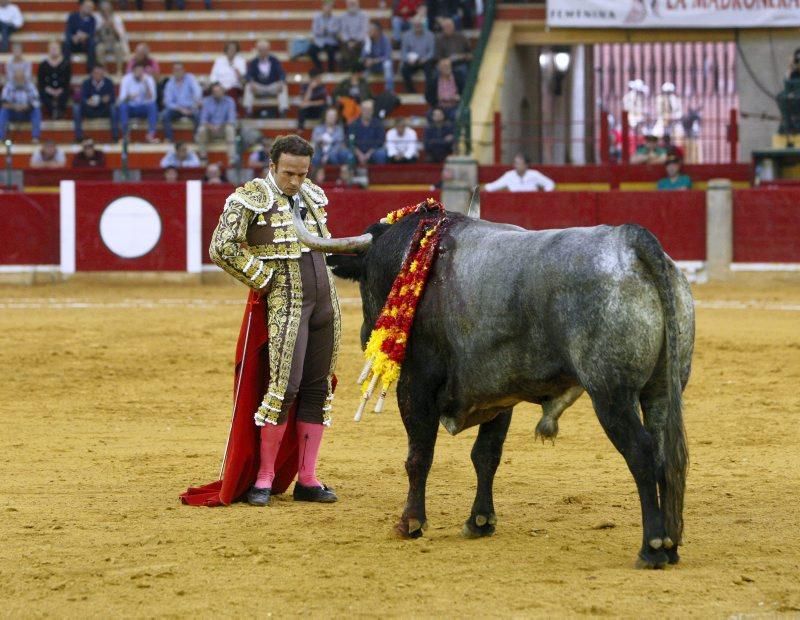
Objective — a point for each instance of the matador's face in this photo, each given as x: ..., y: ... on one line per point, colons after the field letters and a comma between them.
x: 290, y: 171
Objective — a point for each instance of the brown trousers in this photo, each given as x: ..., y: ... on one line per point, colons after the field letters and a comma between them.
x: 313, y: 349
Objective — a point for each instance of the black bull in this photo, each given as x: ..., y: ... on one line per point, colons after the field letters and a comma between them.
x: 511, y: 315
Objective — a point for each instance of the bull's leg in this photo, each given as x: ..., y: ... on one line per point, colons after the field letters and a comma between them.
x: 618, y: 414
x: 421, y: 421
x: 486, y: 455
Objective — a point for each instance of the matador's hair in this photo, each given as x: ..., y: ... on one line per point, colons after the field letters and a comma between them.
x: 291, y: 145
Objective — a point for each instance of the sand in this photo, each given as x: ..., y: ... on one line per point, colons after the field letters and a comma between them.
x: 115, y: 397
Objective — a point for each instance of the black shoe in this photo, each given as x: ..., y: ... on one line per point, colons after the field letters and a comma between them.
x: 322, y: 494
x: 258, y: 497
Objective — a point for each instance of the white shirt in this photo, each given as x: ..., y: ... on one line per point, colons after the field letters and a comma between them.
x: 11, y: 14
x: 224, y: 71
x: 136, y: 92
x: 531, y: 181
x: 405, y: 144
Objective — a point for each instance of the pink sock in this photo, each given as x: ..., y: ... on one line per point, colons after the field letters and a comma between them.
x: 271, y: 436
x: 310, y: 437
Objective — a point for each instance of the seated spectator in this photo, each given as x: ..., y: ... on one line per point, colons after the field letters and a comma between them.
x: 137, y: 99
x: 650, y: 152
x: 313, y: 98
x: 110, y: 36
x: 329, y: 141
x: 265, y: 78
x: 10, y: 21
x: 141, y: 56
x: 445, y: 89
x: 377, y: 54
x: 402, y: 145
x: 350, y: 92
x: 79, y: 33
x: 213, y: 174
x: 438, y: 137
x: 346, y: 179
x: 352, y: 34
x: 181, y: 4
x: 171, y: 174
x: 20, y: 103
x: 367, y: 136
x: 96, y: 101
x: 674, y: 179
x: 521, y: 179
x: 54, y: 78
x: 454, y: 45
x: 48, y: 156
x: 229, y: 70
x: 325, y: 36
x: 182, y: 99
x: 89, y: 156
x: 17, y: 62
x: 217, y: 122
x: 416, y: 52
x: 403, y: 12
x: 259, y: 156
x: 180, y: 157
x: 318, y: 176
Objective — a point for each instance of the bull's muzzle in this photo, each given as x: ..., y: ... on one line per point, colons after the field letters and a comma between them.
x: 345, y: 245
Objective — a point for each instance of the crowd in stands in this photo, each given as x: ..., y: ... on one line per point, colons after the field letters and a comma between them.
x: 353, y: 125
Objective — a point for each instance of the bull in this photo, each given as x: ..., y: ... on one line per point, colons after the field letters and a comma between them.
x: 512, y: 315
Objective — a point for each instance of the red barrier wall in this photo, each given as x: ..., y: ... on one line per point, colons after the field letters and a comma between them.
x: 678, y: 219
x: 766, y: 226
x: 29, y: 227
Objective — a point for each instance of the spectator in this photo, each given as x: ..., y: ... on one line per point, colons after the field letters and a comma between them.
x: 110, y: 36
x: 377, y: 54
x: 454, y: 45
x: 445, y: 90
x: 265, y: 78
x: 674, y: 179
x: 650, y: 152
x: 313, y: 98
x: 352, y: 34
x: 54, y: 78
x: 171, y: 174
x: 402, y: 145
x: 10, y: 21
x: 438, y: 136
x: 217, y: 121
x: 325, y: 36
x: 403, y: 12
x: 79, y: 34
x: 48, y: 156
x: 259, y: 156
x: 182, y: 99
x: 141, y: 56
x: 318, y: 176
x: 367, y: 136
x: 180, y: 157
x: 438, y: 10
x: 346, y: 180
x: 329, y: 142
x: 89, y: 156
x: 20, y: 103
x: 181, y: 4
x: 350, y: 93
x: 137, y: 99
x: 521, y: 179
x: 213, y: 174
x: 17, y: 62
x: 416, y: 53
x: 96, y: 101
x: 229, y: 70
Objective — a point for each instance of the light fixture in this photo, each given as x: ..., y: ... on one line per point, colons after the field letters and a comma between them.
x: 561, y: 61
x: 545, y: 58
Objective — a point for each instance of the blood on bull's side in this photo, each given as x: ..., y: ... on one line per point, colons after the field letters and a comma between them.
x: 511, y: 315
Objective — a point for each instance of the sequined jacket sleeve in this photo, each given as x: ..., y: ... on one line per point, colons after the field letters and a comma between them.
x: 229, y: 248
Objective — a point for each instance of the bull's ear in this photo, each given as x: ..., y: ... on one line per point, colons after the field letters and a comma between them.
x: 347, y: 266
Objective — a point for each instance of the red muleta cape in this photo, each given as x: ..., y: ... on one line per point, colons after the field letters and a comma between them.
x: 242, y: 460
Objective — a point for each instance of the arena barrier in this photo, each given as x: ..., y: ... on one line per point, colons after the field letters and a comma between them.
x: 103, y: 226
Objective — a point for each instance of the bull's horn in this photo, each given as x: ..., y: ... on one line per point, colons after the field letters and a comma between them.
x: 345, y: 245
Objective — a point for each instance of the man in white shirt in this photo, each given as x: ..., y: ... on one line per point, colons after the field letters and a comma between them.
x: 521, y: 179
x: 402, y: 145
x: 137, y: 99
x: 10, y: 21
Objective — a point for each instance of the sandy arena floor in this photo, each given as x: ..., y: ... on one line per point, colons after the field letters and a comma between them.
x: 116, y: 397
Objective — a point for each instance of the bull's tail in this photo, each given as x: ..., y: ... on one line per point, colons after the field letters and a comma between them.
x: 672, y: 452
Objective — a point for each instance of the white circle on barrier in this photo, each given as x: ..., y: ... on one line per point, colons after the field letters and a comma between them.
x: 130, y: 227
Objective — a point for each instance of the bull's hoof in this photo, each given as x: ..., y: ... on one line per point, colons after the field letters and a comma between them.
x: 478, y: 526
x: 652, y: 558
x: 410, y: 529
x: 547, y: 428
x: 672, y: 555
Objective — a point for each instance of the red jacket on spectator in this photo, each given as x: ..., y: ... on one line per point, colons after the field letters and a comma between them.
x: 407, y: 8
